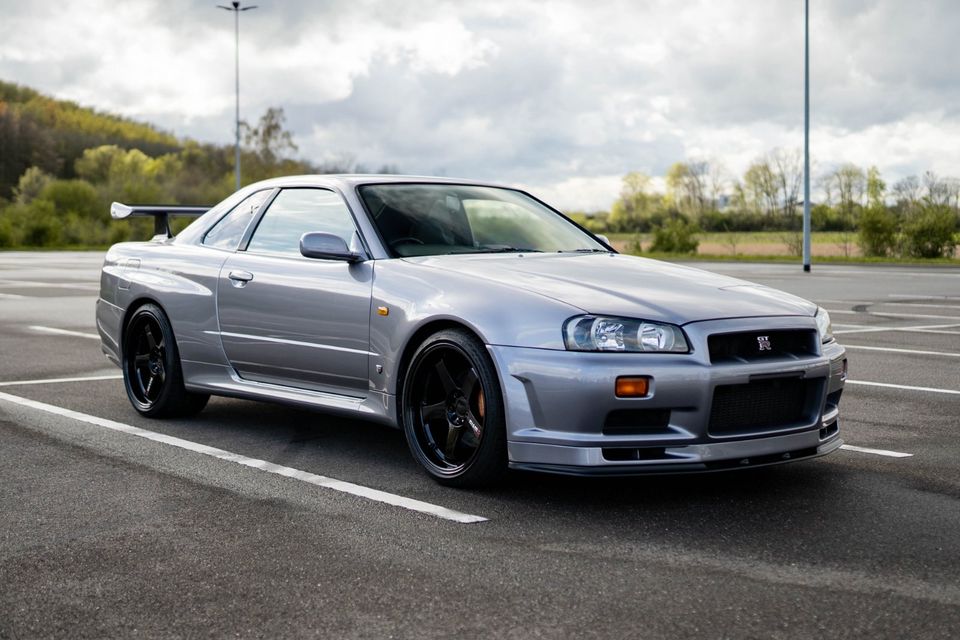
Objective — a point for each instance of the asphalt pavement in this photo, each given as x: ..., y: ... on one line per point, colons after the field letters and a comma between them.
x: 257, y: 520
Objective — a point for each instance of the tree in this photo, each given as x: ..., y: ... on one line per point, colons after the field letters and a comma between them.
x: 687, y: 187
x: 849, y: 184
x: 632, y: 209
x: 788, y: 176
x: 876, y: 188
x: 760, y: 187
x: 906, y: 191
x: 939, y: 191
x: 30, y: 185
x: 24, y: 144
x: 269, y: 140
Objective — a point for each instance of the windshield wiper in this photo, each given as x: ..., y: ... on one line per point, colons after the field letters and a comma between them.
x: 505, y: 250
x: 586, y: 251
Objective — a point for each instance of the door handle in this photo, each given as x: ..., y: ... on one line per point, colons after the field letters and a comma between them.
x: 240, y: 278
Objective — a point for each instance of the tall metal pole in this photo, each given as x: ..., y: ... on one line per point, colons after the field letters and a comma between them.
x: 236, y: 8
x: 236, y: 35
x: 806, y: 135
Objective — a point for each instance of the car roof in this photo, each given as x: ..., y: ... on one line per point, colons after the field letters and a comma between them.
x: 349, y: 181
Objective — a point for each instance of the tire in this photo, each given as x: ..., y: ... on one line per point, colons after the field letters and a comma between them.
x: 152, y: 374
x: 452, y: 411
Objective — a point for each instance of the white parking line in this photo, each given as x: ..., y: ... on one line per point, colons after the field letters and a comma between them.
x: 879, y: 452
x: 904, y: 386
x: 33, y: 284
x: 63, y: 332
x: 311, y: 478
x: 926, y: 328
x: 920, y: 304
x: 885, y: 314
x: 824, y: 301
x: 947, y: 354
x: 18, y: 383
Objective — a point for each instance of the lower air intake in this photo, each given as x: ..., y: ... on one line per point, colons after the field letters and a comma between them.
x: 764, y: 405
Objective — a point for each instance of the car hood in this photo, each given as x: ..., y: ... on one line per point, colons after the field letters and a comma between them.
x: 614, y: 284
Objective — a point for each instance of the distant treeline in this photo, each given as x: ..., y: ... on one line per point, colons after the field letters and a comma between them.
x: 61, y: 165
x: 917, y: 217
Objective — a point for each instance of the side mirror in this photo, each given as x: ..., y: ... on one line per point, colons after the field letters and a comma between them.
x: 604, y: 239
x: 326, y: 246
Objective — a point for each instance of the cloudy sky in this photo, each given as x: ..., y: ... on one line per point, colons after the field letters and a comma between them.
x: 561, y: 97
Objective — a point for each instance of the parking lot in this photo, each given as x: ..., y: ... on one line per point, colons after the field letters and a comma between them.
x: 265, y: 521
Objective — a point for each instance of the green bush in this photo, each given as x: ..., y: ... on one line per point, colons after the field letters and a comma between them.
x: 41, y: 232
x: 73, y: 197
x: 8, y: 233
x: 741, y: 220
x: 635, y: 245
x: 930, y: 233
x: 823, y: 217
x: 877, y: 235
x: 676, y: 236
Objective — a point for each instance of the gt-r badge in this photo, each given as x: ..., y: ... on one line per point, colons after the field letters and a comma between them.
x: 763, y: 343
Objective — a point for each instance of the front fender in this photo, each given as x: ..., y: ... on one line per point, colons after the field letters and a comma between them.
x: 415, y: 296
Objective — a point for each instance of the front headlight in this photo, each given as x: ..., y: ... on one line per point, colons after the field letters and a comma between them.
x: 601, y: 333
x: 823, y: 325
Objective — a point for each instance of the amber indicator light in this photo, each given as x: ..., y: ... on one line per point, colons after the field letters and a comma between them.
x: 633, y: 386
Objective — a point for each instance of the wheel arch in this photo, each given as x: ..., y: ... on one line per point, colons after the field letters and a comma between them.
x: 132, y: 308
x: 413, y: 343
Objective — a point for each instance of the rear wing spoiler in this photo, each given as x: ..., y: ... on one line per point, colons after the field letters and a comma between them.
x: 161, y: 214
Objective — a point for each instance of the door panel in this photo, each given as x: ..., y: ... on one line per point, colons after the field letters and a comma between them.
x: 296, y: 321
x: 303, y: 323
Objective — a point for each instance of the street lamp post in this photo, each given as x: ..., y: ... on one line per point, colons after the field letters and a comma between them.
x: 806, y: 135
x: 236, y: 8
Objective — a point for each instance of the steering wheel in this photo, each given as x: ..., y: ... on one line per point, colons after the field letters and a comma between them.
x: 406, y: 240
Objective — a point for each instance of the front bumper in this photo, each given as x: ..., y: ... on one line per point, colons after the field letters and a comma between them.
x: 557, y: 404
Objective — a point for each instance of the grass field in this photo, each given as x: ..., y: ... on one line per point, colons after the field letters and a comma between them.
x: 775, y: 245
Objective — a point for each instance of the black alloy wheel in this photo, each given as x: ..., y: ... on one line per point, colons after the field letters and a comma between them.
x: 151, y: 367
x: 453, y: 411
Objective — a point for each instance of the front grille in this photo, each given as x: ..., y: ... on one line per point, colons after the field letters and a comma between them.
x: 764, y: 405
x: 753, y: 346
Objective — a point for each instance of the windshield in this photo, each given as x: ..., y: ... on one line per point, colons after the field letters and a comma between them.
x: 432, y: 219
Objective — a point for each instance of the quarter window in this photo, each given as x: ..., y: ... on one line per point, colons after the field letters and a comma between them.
x: 295, y: 212
x: 227, y: 232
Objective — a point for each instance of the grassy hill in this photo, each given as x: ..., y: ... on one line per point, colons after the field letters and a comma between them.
x: 39, y: 131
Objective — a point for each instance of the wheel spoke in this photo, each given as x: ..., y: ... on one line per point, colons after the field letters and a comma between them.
x: 432, y: 412
x: 151, y: 341
x: 469, y: 382
x: 141, y: 360
x: 475, y: 425
x: 146, y: 390
x: 453, y: 434
x: 445, y: 379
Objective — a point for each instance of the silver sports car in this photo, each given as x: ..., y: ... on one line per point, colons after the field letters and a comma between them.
x: 493, y: 330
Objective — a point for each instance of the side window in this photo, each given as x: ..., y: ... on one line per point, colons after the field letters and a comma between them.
x: 227, y: 232
x: 295, y: 212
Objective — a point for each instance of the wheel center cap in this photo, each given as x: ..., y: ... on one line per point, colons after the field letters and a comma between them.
x: 461, y: 407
